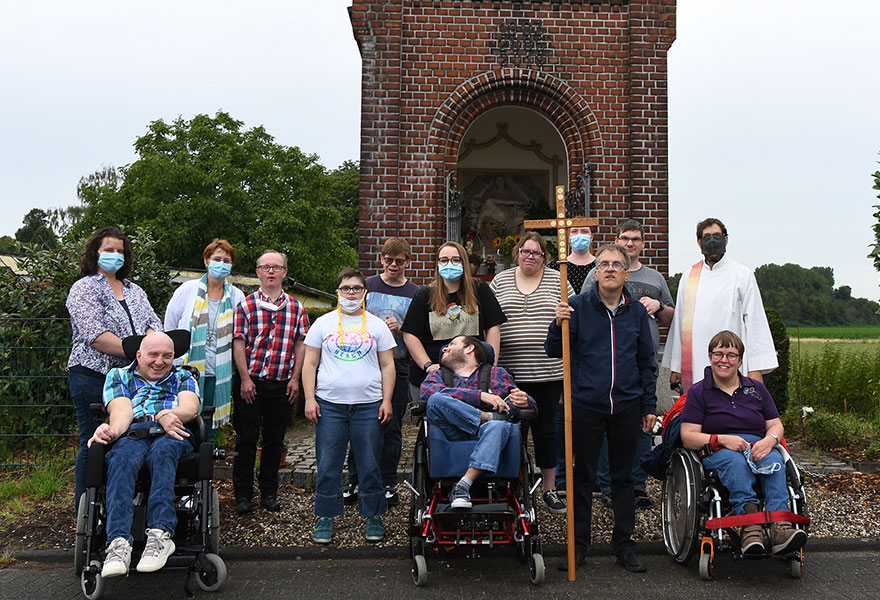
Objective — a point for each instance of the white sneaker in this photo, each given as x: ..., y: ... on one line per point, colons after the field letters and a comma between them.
x: 159, y: 547
x: 118, y: 558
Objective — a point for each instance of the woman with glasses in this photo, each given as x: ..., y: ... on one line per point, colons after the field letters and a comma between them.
x: 206, y: 308
x: 348, y: 379
x: 453, y: 304
x: 528, y: 295
x: 104, y: 306
x: 736, y: 417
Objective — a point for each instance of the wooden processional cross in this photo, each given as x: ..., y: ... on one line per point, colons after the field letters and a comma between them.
x: 561, y: 223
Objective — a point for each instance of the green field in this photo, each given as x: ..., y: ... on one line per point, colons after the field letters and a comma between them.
x: 858, y: 332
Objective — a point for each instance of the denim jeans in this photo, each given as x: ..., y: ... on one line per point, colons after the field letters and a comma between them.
x: 84, y: 390
x: 392, y: 441
x: 338, y: 425
x: 460, y: 421
x: 124, y: 462
x: 643, y: 444
x: 737, y: 477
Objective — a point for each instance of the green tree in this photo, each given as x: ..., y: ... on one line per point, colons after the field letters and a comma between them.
x: 345, y: 184
x: 7, y: 244
x: 875, y: 247
x: 209, y: 177
x: 36, y: 230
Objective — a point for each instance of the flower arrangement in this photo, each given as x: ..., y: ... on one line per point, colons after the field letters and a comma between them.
x: 490, y: 264
x: 506, y: 245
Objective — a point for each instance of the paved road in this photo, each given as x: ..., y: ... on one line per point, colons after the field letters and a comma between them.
x: 827, y: 574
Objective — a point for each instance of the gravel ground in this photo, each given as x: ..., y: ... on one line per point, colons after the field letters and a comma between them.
x: 841, y: 506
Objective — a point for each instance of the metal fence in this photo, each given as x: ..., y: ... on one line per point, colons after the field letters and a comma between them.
x: 37, y: 420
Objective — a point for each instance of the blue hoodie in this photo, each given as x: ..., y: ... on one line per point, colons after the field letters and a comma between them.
x: 612, y: 354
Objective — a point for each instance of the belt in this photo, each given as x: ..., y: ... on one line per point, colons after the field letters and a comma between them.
x: 144, y: 419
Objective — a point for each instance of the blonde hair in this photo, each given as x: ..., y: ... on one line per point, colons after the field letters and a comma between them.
x: 467, y: 297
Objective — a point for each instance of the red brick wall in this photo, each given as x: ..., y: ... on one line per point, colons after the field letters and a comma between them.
x: 429, y: 70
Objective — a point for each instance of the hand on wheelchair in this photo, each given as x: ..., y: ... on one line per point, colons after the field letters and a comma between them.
x: 496, y: 403
x: 104, y: 434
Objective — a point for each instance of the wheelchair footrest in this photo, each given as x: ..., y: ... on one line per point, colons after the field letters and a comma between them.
x: 758, y: 518
x: 495, y: 508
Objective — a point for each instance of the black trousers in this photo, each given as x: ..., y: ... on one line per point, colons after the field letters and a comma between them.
x: 543, y: 427
x: 622, y: 430
x: 271, y: 411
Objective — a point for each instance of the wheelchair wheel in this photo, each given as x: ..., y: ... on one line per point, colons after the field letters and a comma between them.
x: 79, y: 544
x: 706, y: 566
x: 92, y: 584
x: 211, y: 573
x: 680, y: 506
x: 536, y: 568
x: 419, y: 483
x: 419, y: 569
x: 796, y: 566
x: 214, y: 537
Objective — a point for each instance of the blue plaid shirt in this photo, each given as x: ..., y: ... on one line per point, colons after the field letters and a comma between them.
x: 148, y: 398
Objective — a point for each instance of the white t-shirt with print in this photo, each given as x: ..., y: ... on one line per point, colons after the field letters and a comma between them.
x: 349, y: 371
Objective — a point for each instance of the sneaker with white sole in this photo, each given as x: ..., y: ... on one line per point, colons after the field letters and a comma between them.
x: 553, y: 502
x: 117, y: 559
x: 156, y: 552
x: 460, y: 497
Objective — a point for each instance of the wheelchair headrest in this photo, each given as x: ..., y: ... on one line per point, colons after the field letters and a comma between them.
x: 180, y: 337
x: 490, y: 351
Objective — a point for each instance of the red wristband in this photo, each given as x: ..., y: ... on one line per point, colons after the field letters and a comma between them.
x: 713, y: 442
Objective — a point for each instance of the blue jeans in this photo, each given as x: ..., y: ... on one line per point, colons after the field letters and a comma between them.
x: 124, y: 462
x: 338, y: 425
x: 84, y: 390
x: 460, y: 421
x: 643, y: 444
x: 392, y: 441
x: 736, y: 475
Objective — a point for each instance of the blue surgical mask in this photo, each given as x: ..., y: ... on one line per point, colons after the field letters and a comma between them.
x: 764, y: 469
x: 218, y: 269
x: 451, y: 272
x: 580, y: 242
x: 110, y: 262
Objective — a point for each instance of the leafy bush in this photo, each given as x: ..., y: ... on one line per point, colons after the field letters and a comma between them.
x: 832, y: 430
x: 839, y: 381
x: 777, y: 380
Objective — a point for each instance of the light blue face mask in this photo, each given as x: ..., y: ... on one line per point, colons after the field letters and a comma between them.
x: 580, y: 242
x: 765, y: 469
x: 110, y: 261
x: 451, y: 272
x: 218, y: 269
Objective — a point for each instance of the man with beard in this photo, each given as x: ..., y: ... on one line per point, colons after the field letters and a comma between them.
x: 464, y: 412
x: 718, y: 294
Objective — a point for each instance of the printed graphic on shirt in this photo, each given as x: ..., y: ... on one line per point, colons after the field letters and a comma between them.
x: 353, y: 346
x: 386, y: 305
x: 454, y: 323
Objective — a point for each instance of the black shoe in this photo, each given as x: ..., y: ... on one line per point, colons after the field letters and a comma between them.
x: 580, y: 558
x: 596, y: 491
x: 244, y: 506
x: 349, y: 494
x: 554, y: 504
x: 606, y: 499
x: 392, y: 498
x: 270, y: 503
x: 643, y: 500
x: 632, y: 563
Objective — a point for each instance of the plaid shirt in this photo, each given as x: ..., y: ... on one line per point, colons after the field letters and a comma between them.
x: 467, y: 389
x: 148, y: 398
x: 269, y: 335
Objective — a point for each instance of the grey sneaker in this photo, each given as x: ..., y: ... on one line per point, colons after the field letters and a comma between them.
x: 117, y: 559
x: 156, y: 552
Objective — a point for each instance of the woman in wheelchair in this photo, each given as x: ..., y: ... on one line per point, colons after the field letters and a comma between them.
x: 734, y: 420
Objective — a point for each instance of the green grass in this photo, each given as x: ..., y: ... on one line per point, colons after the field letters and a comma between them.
x: 815, y: 346
x: 859, y: 332
x: 41, y: 484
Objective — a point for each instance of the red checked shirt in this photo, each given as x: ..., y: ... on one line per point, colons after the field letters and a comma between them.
x: 269, y: 330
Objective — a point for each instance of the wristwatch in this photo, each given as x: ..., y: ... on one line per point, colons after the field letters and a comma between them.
x: 774, y: 436
x: 426, y: 365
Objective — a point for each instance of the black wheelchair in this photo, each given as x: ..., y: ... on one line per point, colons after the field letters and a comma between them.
x: 503, y: 512
x: 695, y: 509
x: 197, y: 504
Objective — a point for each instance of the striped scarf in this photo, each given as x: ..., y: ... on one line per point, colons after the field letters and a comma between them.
x: 198, y: 330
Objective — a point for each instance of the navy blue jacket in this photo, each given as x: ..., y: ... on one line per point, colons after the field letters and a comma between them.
x: 612, y: 355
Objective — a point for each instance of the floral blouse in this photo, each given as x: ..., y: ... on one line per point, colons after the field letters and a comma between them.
x: 94, y: 309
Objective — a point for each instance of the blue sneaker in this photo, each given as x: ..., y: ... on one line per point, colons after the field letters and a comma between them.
x: 375, y: 530
x: 459, y: 497
x: 323, y: 530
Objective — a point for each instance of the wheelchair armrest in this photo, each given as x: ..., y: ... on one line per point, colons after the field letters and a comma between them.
x: 207, y: 412
x: 418, y: 409
x: 526, y: 414
x: 99, y: 411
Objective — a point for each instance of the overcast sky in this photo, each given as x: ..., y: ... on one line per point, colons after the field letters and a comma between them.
x: 773, y: 123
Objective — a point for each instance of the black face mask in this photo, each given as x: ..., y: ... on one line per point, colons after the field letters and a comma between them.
x: 713, y: 246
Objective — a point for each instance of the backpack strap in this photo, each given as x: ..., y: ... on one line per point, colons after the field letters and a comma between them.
x: 483, y: 377
x: 446, y: 374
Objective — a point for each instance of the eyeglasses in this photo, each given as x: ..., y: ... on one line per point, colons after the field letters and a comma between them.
x: 271, y: 268
x: 443, y: 261
x: 607, y: 266
x: 394, y: 261
x: 625, y: 239
x: 225, y: 259
x: 730, y: 356
x: 530, y: 253
x: 351, y: 289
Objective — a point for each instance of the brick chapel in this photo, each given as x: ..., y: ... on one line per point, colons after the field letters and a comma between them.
x: 473, y: 111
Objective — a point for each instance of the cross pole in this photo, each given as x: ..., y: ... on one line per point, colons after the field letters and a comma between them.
x: 561, y: 223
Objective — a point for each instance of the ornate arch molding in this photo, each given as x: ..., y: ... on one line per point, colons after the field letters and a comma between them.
x: 555, y: 99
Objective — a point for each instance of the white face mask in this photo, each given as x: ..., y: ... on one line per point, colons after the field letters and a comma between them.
x: 350, y: 306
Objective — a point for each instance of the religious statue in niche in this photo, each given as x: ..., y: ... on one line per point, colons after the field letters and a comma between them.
x: 495, y: 202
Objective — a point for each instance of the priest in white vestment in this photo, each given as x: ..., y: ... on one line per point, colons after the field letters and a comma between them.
x: 717, y: 294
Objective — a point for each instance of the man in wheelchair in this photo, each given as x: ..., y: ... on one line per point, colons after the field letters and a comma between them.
x: 733, y: 420
x: 148, y: 403
x: 463, y: 412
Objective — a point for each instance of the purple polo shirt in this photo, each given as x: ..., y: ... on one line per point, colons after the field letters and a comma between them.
x: 747, y: 411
